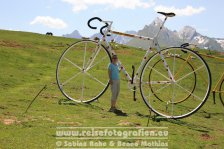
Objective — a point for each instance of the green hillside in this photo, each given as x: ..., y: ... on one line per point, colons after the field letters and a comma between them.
x: 28, y: 62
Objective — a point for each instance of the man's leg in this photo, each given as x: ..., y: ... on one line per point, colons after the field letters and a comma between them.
x: 114, y: 95
x: 118, y: 88
x: 113, y: 103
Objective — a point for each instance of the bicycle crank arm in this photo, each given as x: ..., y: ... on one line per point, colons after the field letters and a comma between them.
x: 134, y: 93
x: 214, y: 102
x: 132, y: 81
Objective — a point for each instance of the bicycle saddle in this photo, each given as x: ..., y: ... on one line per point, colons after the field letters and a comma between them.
x: 171, y: 14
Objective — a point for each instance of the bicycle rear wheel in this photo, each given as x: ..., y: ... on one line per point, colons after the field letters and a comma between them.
x: 81, y: 73
x: 221, y: 92
x: 184, y: 65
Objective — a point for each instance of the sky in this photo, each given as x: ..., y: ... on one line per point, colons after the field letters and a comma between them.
x: 64, y: 16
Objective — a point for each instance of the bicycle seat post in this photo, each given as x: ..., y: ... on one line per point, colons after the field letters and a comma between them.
x: 161, y: 27
x: 171, y: 14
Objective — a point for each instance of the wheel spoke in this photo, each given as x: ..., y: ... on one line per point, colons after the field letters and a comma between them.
x: 83, y: 86
x: 84, y: 57
x: 159, y: 82
x: 190, y: 73
x: 158, y: 72
x: 158, y: 90
x: 70, y: 79
x: 174, y: 96
x: 189, y: 92
x: 93, y: 57
x: 94, y: 78
x: 97, y: 62
x: 73, y: 63
x: 174, y: 93
x: 174, y: 62
x: 182, y: 67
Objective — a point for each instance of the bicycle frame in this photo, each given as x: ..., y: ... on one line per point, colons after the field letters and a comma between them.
x: 154, y: 44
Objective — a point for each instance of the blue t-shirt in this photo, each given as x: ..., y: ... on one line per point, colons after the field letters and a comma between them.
x: 114, y: 71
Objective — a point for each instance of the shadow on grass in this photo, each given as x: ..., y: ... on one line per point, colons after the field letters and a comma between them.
x: 89, y: 105
x: 66, y: 102
x: 192, y: 126
x: 189, y: 125
x: 73, y: 103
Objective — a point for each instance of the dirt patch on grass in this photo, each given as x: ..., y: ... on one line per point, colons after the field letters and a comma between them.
x: 127, y: 123
x: 9, y: 120
x: 69, y: 123
x: 11, y: 44
x: 206, y: 136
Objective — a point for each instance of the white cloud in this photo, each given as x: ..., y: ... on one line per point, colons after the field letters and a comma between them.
x: 187, y: 11
x: 79, y: 5
x: 49, y: 22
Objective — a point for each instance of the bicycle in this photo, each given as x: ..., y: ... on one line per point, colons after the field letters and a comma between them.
x: 82, y: 73
x: 219, y: 85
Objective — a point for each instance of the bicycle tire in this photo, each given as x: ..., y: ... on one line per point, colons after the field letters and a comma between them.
x: 58, y: 76
x: 198, y: 106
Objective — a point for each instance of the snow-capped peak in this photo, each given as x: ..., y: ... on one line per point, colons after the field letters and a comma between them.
x: 200, y: 39
x: 157, y: 22
x: 221, y: 42
x: 187, y: 32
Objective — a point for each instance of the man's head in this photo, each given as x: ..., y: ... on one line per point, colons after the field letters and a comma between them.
x: 114, y: 59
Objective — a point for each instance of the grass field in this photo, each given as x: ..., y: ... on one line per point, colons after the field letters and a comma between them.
x: 28, y: 62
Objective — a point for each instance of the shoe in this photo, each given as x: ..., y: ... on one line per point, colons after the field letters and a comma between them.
x: 120, y: 113
x: 117, y: 111
x: 111, y: 110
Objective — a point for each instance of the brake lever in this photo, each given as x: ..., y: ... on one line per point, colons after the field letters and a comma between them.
x: 101, y: 30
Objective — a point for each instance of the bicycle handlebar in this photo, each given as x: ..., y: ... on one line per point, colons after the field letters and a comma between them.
x: 90, y: 20
x: 99, y: 19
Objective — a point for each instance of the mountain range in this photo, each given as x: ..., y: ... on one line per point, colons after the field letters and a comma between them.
x: 166, y: 38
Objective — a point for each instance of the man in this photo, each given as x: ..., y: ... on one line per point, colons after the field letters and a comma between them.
x: 114, y: 77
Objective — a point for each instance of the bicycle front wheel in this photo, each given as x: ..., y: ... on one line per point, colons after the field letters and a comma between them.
x: 82, y: 71
x: 185, y: 94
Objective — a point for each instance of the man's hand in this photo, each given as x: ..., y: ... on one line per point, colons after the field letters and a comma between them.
x: 111, y: 82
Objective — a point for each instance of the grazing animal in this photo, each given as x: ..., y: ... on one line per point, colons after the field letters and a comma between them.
x: 96, y: 39
x: 49, y: 33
